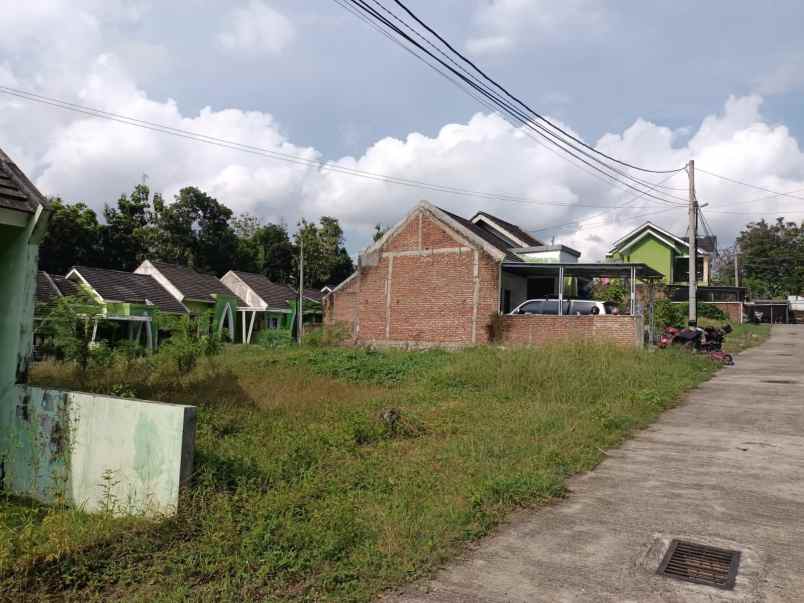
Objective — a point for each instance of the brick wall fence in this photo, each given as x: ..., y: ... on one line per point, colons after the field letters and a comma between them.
x: 732, y: 310
x: 534, y: 329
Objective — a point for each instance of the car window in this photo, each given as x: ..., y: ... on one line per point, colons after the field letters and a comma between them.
x: 534, y: 307
x: 550, y: 307
x: 583, y: 307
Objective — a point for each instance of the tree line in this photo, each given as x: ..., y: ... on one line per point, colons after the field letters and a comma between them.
x: 770, y: 259
x: 196, y: 230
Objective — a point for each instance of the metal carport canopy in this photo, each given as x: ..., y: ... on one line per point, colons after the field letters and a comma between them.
x: 591, y: 270
x: 612, y: 270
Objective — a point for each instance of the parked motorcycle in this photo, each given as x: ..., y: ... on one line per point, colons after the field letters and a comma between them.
x: 707, y: 340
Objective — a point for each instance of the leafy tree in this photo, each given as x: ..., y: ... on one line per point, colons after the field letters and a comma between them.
x: 263, y: 248
x: 379, y: 231
x: 326, y: 260
x: 71, y: 320
x: 194, y: 231
x: 772, y: 258
x: 73, y: 238
x: 125, y: 236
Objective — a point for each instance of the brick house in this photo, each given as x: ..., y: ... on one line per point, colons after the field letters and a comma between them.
x: 437, y: 278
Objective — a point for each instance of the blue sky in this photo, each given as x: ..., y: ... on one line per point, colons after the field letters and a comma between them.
x: 656, y: 83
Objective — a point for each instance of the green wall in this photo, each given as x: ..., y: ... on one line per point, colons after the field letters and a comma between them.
x: 652, y: 252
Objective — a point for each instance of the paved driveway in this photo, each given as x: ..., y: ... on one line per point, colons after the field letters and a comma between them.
x: 726, y: 468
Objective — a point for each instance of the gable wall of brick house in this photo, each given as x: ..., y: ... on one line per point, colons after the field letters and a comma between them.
x: 430, y: 285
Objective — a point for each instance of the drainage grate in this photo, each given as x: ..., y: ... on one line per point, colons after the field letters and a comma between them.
x: 700, y: 564
x: 780, y: 381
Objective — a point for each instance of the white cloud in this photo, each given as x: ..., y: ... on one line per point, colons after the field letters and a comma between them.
x: 83, y: 158
x: 256, y: 29
x: 503, y: 24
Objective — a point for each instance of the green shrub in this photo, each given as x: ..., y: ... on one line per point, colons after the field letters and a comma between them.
x: 273, y: 338
x: 669, y: 314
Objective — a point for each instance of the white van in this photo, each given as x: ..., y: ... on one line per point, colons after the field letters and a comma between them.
x: 570, y: 307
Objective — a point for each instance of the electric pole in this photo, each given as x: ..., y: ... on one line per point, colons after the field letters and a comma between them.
x: 301, y: 289
x: 693, y: 240
x: 736, y: 265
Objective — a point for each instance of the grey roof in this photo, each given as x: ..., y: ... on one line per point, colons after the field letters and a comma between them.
x: 486, y: 235
x: 707, y: 243
x: 116, y: 285
x: 515, y: 230
x: 16, y: 191
x: 313, y: 294
x: 273, y: 294
x: 50, y: 287
x: 194, y: 285
x: 46, y: 290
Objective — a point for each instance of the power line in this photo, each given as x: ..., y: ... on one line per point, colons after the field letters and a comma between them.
x: 296, y: 159
x: 549, y: 135
x: 759, y: 188
x: 492, y: 108
x: 626, y: 205
x: 525, y: 120
x: 519, y: 101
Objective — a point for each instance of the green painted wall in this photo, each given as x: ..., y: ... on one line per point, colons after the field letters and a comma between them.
x: 17, y: 281
x: 98, y: 452
x: 652, y: 252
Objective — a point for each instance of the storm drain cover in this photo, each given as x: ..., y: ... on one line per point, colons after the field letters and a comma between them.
x: 780, y: 381
x: 700, y: 564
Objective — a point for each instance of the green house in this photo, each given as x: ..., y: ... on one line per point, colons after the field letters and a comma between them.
x: 200, y: 293
x: 665, y: 252
x: 269, y: 305
x: 127, y: 299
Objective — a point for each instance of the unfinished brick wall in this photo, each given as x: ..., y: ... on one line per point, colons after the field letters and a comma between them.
x: 540, y: 330
x: 429, y: 286
x: 340, y: 307
x: 732, y: 310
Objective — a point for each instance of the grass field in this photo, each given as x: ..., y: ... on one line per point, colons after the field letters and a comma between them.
x: 302, y: 492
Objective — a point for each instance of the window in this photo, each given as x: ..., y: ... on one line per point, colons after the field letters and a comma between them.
x: 273, y: 322
x: 584, y: 307
x: 534, y: 307
x: 541, y: 286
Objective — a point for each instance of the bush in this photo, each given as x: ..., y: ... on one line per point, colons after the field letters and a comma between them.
x: 326, y: 335
x: 273, y: 338
x: 669, y: 314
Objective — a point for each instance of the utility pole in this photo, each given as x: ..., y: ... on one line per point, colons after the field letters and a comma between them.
x: 301, y: 289
x: 693, y: 240
x: 736, y: 265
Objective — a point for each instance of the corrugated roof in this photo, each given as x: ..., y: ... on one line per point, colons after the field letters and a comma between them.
x: 193, y: 285
x: 273, y: 294
x: 16, y: 191
x: 515, y: 230
x: 116, y: 285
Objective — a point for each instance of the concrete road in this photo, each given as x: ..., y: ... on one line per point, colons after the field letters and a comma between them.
x: 726, y: 468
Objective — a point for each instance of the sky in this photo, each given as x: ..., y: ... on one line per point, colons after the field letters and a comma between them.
x: 655, y: 84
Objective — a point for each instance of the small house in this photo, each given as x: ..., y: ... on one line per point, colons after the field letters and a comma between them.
x: 268, y: 305
x: 664, y: 252
x: 437, y: 278
x: 202, y: 294
x: 126, y: 298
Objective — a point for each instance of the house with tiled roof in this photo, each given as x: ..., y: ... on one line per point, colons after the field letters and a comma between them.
x: 268, y: 305
x: 437, y: 278
x: 126, y: 298
x: 666, y: 252
x: 201, y: 294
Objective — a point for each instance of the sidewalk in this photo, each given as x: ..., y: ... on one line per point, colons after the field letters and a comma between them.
x: 726, y: 468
